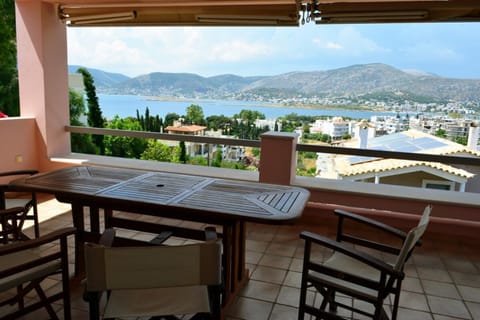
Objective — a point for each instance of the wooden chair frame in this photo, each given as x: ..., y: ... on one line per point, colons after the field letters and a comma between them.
x: 214, y: 291
x: 328, y: 280
x: 31, y: 268
x: 28, y: 205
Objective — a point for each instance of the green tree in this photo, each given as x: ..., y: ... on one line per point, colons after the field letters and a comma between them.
x: 256, y: 152
x: 182, y: 152
x: 170, y: 118
x: 441, y: 133
x: 79, y: 142
x: 194, y: 115
x: 126, y: 147
x: 158, y: 151
x: 217, y: 162
x: 215, y: 122
x: 249, y: 115
x: 77, y: 107
x: 94, y: 115
x: 461, y: 140
x: 9, y: 97
x: 149, y: 123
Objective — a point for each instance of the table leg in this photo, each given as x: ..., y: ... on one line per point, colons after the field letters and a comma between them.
x: 235, y: 273
x: 94, y: 220
x: 242, y: 247
x: 78, y: 223
x: 108, y: 214
x: 227, y: 262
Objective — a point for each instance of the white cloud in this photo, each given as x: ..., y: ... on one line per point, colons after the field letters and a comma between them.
x: 348, y: 40
x: 261, y: 51
x: 106, y: 50
x: 334, y: 45
x: 237, y: 50
x: 135, y: 51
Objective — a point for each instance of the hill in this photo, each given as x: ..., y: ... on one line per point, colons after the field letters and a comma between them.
x: 103, y: 79
x: 371, y: 79
x: 357, y: 82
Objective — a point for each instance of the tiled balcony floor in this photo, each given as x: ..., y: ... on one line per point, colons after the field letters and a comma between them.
x: 443, y: 277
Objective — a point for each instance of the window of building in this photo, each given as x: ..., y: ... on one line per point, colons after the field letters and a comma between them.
x: 438, y: 184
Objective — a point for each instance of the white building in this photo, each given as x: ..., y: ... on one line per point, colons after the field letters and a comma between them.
x: 270, y: 123
x: 335, y: 127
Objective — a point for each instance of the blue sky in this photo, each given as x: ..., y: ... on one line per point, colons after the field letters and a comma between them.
x: 449, y: 50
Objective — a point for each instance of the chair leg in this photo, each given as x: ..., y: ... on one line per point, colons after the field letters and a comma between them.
x: 93, y: 299
x: 303, y: 298
x: 36, y: 226
x: 44, y: 299
x: 331, y: 299
x: 20, y: 295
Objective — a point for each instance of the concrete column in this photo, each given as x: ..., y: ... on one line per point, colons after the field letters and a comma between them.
x: 43, y: 74
x: 473, y: 135
x: 278, y: 158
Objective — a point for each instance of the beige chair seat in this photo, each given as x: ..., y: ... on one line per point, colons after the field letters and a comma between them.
x: 346, y: 264
x: 175, y: 300
x: 17, y: 202
x: 25, y: 265
x: 148, y: 281
x: 19, y: 258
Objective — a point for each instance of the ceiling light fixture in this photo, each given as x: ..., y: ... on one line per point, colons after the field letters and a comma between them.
x: 98, y: 18
x: 239, y: 19
x: 327, y: 17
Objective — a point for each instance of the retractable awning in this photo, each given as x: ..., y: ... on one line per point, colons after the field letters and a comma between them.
x: 180, y: 13
x: 394, y: 11
x: 262, y: 12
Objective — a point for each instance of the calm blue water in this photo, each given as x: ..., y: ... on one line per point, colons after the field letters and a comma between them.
x: 127, y: 105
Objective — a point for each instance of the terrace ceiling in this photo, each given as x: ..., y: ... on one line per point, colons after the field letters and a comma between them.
x: 180, y: 12
x: 262, y: 12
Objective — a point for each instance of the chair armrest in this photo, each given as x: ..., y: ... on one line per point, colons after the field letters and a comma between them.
x: 18, y: 173
x: 370, y: 222
x: 210, y: 233
x: 107, y: 237
x: 29, y: 244
x: 11, y: 211
x: 9, y: 187
x: 351, y: 252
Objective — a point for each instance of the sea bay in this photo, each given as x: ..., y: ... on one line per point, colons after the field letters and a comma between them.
x: 127, y: 106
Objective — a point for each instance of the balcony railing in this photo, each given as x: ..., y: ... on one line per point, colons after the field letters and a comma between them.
x: 299, y: 147
x: 455, y: 213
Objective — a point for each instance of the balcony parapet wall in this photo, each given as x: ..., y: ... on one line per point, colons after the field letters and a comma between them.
x: 454, y: 213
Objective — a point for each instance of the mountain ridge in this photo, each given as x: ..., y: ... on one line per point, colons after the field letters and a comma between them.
x: 353, y: 82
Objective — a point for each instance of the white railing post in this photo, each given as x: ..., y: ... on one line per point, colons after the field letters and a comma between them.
x: 278, y: 157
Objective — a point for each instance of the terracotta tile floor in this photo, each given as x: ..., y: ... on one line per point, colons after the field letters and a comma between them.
x: 443, y: 278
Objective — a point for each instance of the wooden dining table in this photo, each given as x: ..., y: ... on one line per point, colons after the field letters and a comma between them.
x: 224, y: 202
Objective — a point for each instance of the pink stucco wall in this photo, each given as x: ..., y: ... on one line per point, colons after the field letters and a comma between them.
x: 43, y: 73
x: 18, y: 140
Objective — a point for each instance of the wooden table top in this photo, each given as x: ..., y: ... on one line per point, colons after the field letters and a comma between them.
x: 119, y: 188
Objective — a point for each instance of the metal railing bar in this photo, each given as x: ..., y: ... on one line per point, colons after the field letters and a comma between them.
x: 390, y: 154
x: 300, y: 147
x: 163, y: 136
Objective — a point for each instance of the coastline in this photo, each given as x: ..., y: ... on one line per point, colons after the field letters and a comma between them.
x: 127, y: 105
x: 271, y: 104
